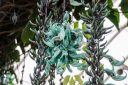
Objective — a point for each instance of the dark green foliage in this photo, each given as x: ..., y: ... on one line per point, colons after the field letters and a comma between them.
x: 27, y: 34
x: 114, y: 17
x: 124, y: 7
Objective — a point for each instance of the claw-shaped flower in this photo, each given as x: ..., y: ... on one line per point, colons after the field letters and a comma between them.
x: 62, y: 45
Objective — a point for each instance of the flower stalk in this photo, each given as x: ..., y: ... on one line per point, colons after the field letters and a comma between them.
x: 94, y: 19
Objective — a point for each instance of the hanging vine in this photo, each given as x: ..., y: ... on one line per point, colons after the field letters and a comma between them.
x: 94, y: 32
x: 49, y: 11
x: 57, y: 43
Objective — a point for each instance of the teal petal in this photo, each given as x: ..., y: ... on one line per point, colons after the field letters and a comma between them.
x: 113, y: 61
x: 109, y: 72
x: 64, y: 57
x: 64, y: 53
x: 119, y: 78
x: 68, y: 32
x: 86, y: 83
x: 62, y: 34
x: 50, y: 33
x: 47, y: 68
x: 48, y: 43
x: 78, y: 56
x: 53, y: 60
x: 66, y: 16
x: 65, y: 42
x: 76, y: 64
x: 117, y: 63
x: 75, y: 3
x: 72, y: 49
x: 69, y: 68
x: 60, y: 67
x: 78, y: 41
x: 83, y: 66
x: 60, y: 70
x: 48, y: 50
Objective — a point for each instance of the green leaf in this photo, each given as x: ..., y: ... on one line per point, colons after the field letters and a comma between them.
x: 110, y: 3
x: 83, y: 27
x: 84, y: 48
x: 124, y: 7
x: 114, y: 17
x: 75, y: 3
x: 11, y: 82
x: 76, y: 25
x: 66, y: 80
x: 72, y: 81
x: 77, y: 78
x: 27, y: 34
x: 88, y: 36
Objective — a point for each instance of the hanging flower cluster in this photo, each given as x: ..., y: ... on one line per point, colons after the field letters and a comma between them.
x: 62, y: 45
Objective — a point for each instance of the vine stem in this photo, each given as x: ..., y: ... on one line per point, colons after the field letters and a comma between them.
x: 23, y: 67
x: 95, y: 54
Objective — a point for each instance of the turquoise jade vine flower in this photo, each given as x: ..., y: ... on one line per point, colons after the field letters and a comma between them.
x: 62, y: 46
